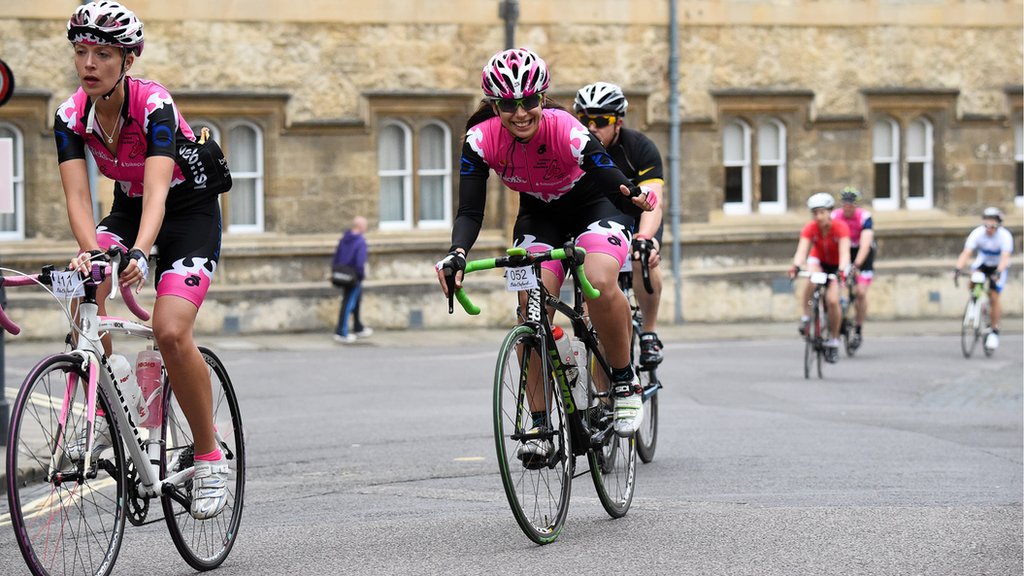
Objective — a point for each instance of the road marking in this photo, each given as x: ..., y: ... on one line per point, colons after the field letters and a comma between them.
x: 38, y: 506
x: 470, y: 459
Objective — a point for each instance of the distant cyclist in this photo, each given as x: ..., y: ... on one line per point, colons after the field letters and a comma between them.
x: 994, y: 245
x: 566, y: 185
x: 601, y: 107
x: 824, y: 247
x: 862, y: 249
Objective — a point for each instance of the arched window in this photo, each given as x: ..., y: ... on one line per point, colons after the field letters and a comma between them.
x: 394, y: 158
x: 771, y: 161
x: 736, y: 158
x: 920, y: 165
x: 245, y: 158
x: 885, y: 154
x: 12, y: 225
x: 435, y: 176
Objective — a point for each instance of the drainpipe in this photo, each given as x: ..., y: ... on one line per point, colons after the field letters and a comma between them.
x: 673, y: 156
x: 508, y: 10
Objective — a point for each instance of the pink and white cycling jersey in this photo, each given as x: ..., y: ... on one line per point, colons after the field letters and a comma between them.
x: 151, y: 125
x: 547, y: 167
x: 861, y: 220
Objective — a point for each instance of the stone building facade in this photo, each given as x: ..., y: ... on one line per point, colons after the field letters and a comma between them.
x: 329, y: 110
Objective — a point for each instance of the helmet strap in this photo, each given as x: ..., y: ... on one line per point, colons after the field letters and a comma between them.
x: 124, y: 64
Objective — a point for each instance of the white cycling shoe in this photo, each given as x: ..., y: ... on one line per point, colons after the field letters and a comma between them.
x: 209, y: 489
x: 101, y: 441
x: 992, y: 340
x: 629, y: 407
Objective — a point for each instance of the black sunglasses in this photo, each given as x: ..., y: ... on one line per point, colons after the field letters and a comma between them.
x: 597, y: 121
x: 509, y: 105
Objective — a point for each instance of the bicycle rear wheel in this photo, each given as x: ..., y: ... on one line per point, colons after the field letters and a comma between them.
x: 204, y: 544
x: 820, y: 326
x: 613, y: 460
x: 537, y: 490
x: 67, y: 520
x: 647, y: 435
x: 970, y: 329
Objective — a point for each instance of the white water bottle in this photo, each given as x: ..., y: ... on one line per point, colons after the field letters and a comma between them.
x: 565, y: 355
x: 124, y: 381
x: 149, y: 368
x: 579, y: 352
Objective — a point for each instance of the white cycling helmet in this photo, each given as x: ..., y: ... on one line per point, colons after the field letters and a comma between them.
x: 821, y: 200
x: 106, y: 23
x: 992, y: 212
x: 515, y: 73
x: 601, y: 96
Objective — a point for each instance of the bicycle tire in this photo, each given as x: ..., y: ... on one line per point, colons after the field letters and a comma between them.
x: 985, y: 328
x: 204, y: 544
x: 969, y: 331
x: 57, y: 524
x: 820, y: 325
x: 613, y: 462
x: 541, y: 513
x: 810, y: 337
x: 647, y: 435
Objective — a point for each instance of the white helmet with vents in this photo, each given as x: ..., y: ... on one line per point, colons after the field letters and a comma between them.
x: 821, y: 200
x: 107, y: 23
x: 601, y: 96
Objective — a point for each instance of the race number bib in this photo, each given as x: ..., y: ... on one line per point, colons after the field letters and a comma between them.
x: 517, y: 279
x: 67, y: 284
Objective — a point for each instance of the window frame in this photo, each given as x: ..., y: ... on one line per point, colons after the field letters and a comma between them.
x: 406, y: 173
x: 17, y: 182
x: 895, y: 189
x: 259, y: 176
x: 927, y: 200
x: 446, y: 171
x: 742, y: 207
x: 1018, y: 160
x: 780, y: 205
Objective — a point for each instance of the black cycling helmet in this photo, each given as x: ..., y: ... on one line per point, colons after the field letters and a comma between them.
x: 850, y: 195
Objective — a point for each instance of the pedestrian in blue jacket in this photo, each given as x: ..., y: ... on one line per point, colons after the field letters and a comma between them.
x: 352, y: 252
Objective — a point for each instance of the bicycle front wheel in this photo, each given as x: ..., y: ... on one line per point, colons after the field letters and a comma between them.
x: 985, y: 328
x: 68, y: 520
x: 820, y: 326
x: 204, y: 544
x: 536, y: 465
x: 970, y: 330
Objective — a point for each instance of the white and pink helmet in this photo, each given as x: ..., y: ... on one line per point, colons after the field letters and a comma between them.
x: 515, y: 73
x: 107, y: 23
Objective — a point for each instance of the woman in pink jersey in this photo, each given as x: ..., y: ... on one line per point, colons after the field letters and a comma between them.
x: 862, y: 250
x: 132, y: 129
x: 568, y: 189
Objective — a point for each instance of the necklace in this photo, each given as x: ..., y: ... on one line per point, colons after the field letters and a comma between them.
x: 117, y: 126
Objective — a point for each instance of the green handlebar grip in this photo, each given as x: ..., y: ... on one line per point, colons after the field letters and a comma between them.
x: 558, y: 254
x: 469, y: 307
x: 477, y: 265
x: 588, y: 290
x: 516, y: 251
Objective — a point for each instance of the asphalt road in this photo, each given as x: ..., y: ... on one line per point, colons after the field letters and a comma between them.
x: 379, y: 460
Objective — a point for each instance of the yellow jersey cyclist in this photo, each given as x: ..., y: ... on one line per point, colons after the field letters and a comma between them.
x: 601, y: 107
x: 994, y: 245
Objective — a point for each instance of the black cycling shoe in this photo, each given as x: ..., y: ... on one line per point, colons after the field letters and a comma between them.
x: 802, y: 327
x: 831, y: 354
x: 855, y: 340
x: 650, y: 349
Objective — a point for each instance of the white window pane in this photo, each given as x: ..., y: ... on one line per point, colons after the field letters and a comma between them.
x: 392, y: 149
x: 392, y: 205
x: 883, y: 140
x: 6, y: 132
x: 243, y: 201
x: 917, y: 139
x: 9, y: 222
x: 242, y: 149
x: 432, y: 148
x: 734, y: 144
x: 432, y: 198
x: 768, y: 143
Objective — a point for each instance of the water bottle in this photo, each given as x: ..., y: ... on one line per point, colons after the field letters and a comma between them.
x: 124, y: 381
x: 149, y: 374
x: 565, y: 355
x: 579, y: 352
